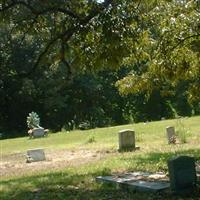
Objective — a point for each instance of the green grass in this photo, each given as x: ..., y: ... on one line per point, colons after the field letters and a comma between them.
x: 79, y: 182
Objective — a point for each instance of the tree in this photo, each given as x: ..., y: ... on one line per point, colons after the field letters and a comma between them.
x: 80, y: 34
x: 50, y: 50
x: 169, y: 51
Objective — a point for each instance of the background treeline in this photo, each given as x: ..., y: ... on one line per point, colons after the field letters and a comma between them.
x: 85, y: 64
x: 89, y: 98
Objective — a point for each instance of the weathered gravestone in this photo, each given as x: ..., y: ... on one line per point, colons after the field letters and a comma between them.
x: 182, y: 174
x: 126, y: 140
x: 38, y: 132
x: 171, y: 137
x: 34, y: 155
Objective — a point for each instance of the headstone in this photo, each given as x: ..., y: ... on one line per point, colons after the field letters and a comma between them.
x: 126, y: 140
x: 182, y: 174
x: 38, y: 132
x: 34, y: 155
x: 171, y: 137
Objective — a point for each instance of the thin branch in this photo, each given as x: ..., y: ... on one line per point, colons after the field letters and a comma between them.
x: 63, y: 59
x: 66, y: 35
x: 61, y: 10
x: 183, y: 40
x: 28, y: 29
x: 138, y: 4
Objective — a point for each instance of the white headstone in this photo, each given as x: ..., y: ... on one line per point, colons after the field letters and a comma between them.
x: 126, y: 140
x: 171, y: 137
x: 34, y: 155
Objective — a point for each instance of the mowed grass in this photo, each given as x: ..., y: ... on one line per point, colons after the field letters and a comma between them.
x: 79, y: 182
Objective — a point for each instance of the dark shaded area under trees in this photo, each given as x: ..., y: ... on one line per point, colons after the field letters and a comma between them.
x: 63, y: 59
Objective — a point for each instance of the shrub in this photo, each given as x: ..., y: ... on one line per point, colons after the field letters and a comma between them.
x: 84, y: 125
x: 181, y: 131
x: 33, y: 120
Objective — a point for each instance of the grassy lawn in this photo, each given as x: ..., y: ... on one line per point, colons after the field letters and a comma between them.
x: 78, y: 181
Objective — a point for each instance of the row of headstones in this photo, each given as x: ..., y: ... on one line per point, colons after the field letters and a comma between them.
x: 182, y: 171
x: 126, y: 143
x: 127, y: 138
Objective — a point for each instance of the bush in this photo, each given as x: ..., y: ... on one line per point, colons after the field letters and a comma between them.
x: 84, y: 125
x: 33, y: 120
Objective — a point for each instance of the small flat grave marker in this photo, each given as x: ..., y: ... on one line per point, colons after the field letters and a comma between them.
x: 171, y: 137
x: 182, y: 174
x: 126, y: 140
x: 35, y: 155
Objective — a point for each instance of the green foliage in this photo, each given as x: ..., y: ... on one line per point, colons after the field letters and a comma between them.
x: 181, y: 131
x: 166, y: 54
x: 33, y: 120
x: 91, y: 140
x: 51, y: 49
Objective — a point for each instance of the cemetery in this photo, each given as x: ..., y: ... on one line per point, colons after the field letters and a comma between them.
x: 131, y: 160
x: 99, y: 100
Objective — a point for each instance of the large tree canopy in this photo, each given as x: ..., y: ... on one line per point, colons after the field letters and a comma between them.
x: 49, y: 50
x: 161, y: 38
x: 170, y: 49
x: 80, y: 34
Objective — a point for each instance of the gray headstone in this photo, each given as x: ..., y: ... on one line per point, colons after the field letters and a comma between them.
x: 38, y: 132
x: 182, y: 174
x: 126, y: 140
x: 171, y: 137
x: 34, y: 155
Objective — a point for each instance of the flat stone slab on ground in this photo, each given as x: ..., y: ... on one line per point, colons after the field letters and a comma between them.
x: 34, y: 155
x: 149, y: 186
x: 141, y: 181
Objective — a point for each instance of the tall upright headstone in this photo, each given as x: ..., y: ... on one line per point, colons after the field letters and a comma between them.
x: 126, y: 140
x: 171, y: 137
x: 182, y: 174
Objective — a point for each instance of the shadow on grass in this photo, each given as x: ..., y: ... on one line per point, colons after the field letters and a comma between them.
x: 63, y: 186
x: 158, y: 160
x: 82, y: 185
x: 59, y: 186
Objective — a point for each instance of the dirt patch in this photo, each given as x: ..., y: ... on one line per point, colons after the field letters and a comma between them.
x: 15, y: 164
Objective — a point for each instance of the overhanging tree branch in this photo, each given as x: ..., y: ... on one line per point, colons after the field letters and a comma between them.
x: 183, y: 40
x: 37, y: 12
x: 66, y: 35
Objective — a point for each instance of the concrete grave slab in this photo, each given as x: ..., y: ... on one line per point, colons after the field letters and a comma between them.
x: 147, y: 186
x: 140, y: 181
x: 35, y: 155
